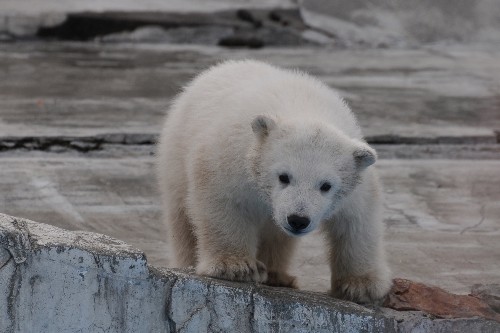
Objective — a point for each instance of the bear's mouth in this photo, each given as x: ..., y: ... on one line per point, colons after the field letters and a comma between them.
x: 295, y: 232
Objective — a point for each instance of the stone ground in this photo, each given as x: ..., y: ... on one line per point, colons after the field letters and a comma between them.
x: 78, y: 122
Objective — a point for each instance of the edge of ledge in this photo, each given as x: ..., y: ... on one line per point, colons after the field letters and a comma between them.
x: 176, y: 300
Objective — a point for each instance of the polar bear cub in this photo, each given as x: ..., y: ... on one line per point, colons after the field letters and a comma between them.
x: 252, y: 156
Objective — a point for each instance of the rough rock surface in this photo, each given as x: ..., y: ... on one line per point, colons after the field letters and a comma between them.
x: 440, y: 95
x: 50, y: 273
x: 407, y: 295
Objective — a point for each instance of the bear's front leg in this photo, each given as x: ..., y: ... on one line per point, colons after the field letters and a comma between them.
x: 275, y: 251
x: 227, y: 250
x: 357, y: 258
x: 226, y: 230
x: 359, y: 268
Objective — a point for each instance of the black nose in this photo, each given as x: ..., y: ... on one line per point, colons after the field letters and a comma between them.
x: 298, y: 222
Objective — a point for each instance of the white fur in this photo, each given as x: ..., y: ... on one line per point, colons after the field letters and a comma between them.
x: 226, y: 140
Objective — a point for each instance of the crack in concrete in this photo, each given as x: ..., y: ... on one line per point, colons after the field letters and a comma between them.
x: 168, y: 308
x: 212, y: 312
x: 80, y: 144
x: 481, y: 220
x: 48, y: 143
x: 191, y: 315
x: 84, y: 144
x: 5, y: 257
x: 411, y: 219
x: 14, y: 286
x: 251, y: 319
x: 392, y: 139
x: 88, y: 144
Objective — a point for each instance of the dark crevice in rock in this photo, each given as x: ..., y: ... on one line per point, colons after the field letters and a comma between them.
x: 241, y: 41
x: 251, y: 306
x: 87, y: 26
x: 168, y: 308
x: 251, y: 28
x: 80, y: 144
x: 14, y: 286
x: 50, y: 144
x: 5, y: 257
x: 247, y: 16
x: 414, y: 140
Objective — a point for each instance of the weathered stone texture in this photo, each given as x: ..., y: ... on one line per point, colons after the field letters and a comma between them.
x: 54, y: 280
x: 60, y: 281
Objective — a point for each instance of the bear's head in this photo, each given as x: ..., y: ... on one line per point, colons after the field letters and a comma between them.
x: 305, y: 170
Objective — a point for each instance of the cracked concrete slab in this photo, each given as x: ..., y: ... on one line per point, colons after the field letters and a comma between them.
x: 441, y: 216
x: 116, y: 290
x: 427, y: 96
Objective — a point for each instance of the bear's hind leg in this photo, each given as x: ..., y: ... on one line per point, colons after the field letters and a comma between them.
x: 275, y: 251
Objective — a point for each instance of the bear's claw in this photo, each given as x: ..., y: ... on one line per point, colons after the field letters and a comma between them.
x: 362, y: 289
x: 236, y: 269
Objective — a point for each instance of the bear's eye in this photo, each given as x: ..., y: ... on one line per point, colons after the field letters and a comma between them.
x: 284, y: 179
x: 325, y: 187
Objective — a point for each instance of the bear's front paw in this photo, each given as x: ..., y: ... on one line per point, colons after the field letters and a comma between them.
x: 235, y: 269
x: 361, y: 289
x: 281, y: 279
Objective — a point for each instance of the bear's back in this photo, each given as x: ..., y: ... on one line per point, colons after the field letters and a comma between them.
x: 248, y: 88
x: 232, y: 94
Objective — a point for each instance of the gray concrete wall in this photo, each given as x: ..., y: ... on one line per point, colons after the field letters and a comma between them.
x: 52, y: 280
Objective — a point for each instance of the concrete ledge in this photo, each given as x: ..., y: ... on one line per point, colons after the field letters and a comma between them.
x: 52, y: 280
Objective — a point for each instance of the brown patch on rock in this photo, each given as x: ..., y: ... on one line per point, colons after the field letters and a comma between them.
x: 406, y: 295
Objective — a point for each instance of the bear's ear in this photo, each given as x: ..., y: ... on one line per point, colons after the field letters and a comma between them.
x: 364, y: 156
x: 262, y: 125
